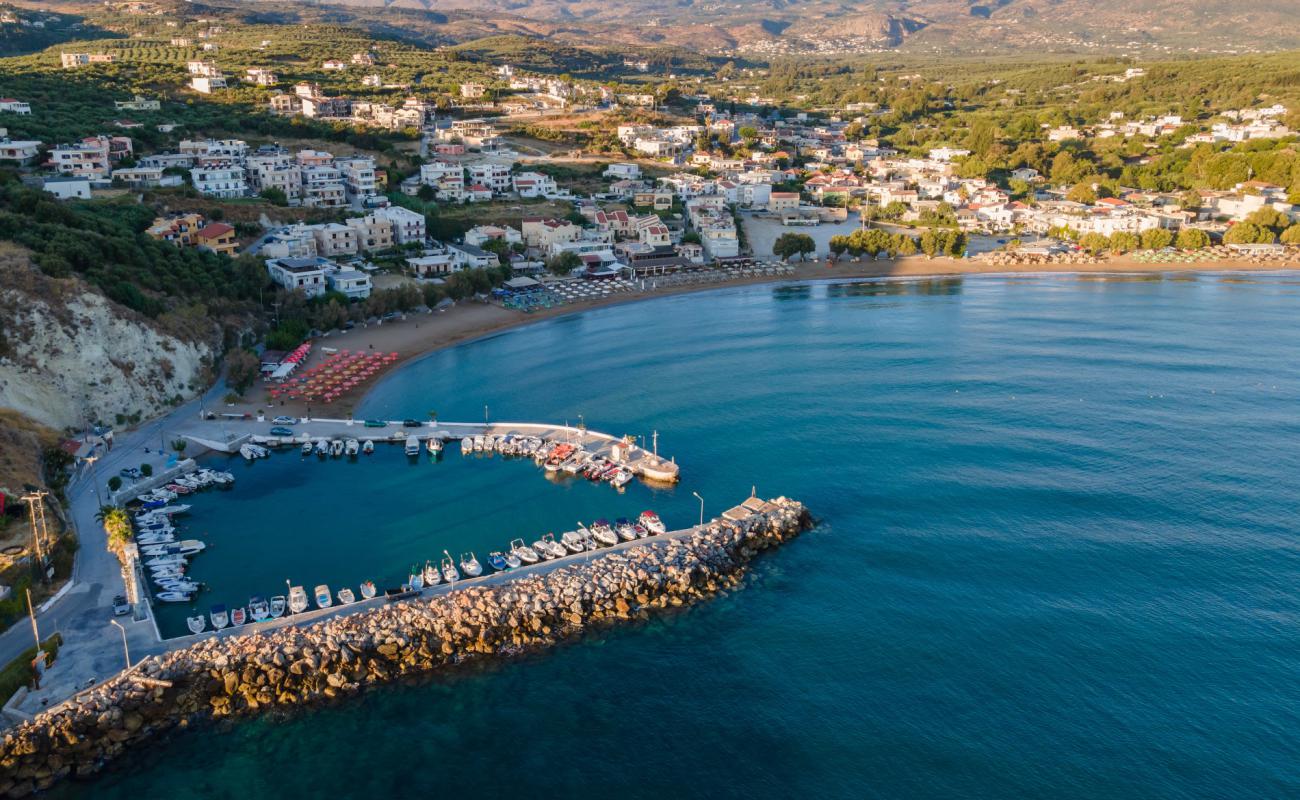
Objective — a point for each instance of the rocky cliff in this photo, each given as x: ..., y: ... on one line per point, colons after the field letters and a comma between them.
x: 69, y: 356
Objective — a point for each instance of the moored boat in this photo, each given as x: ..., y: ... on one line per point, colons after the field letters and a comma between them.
x: 336, y: 448
x: 523, y: 552
x: 219, y: 617
x: 449, y: 572
x: 412, y: 445
x: 650, y: 520
x: 557, y: 549
x: 238, y: 616
x: 258, y: 608
x: 470, y: 566
x: 351, y: 447
x: 173, y: 597
x: 297, y: 599
x: 346, y: 597
x: 322, y: 447
x: 277, y: 607
x: 196, y: 624
x: 498, y: 561
x: 573, y: 542
x: 368, y: 447
x: 306, y: 448
x: 368, y: 589
x: 432, y: 577
x: 466, y: 446
x: 604, y: 532
x: 322, y: 595
x: 512, y: 559
x: 416, y: 579
x: 623, y: 527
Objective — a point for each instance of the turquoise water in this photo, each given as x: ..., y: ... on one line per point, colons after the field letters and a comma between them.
x: 1057, y: 555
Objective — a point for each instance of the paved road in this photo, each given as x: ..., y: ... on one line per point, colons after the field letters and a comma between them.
x: 92, y: 646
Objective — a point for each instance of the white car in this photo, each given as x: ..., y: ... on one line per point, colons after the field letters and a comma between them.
x: 285, y: 420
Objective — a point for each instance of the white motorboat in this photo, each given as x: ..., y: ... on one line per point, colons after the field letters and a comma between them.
x: 573, y: 542
x: 277, y: 606
x: 449, y: 572
x: 522, y: 552
x: 621, y: 478
x: 297, y: 600
x: 258, y: 609
x: 322, y: 447
x: 651, y: 522
x: 368, y: 447
x: 172, y: 597
x: 478, y: 444
x: 623, y: 527
x: 412, y: 445
x: 416, y: 579
x: 336, y: 448
x: 352, y: 447
x: 543, y: 550
x: 196, y: 624
x: 557, y: 549
x: 512, y: 559
x: 498, y: 561
x: 604, y: 532
x: 432, y: 576
x: 166, y: 561
x: 368, y: 589
x: 323, y: 597
x: 219, y: 617
x: 178, y: 585
x: 346, y: 597
x: 466, y: 446
x: 306, y: 448
x: 238, y: 616
x: 470, y: 566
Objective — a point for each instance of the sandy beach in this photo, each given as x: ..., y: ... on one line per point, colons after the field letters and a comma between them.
x: 422, y: 333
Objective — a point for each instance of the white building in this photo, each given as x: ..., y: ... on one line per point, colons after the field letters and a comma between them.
x: 408, y: 226
x: 11, y: 105
x: 301, y: 274
x: 223, y: 179
x: 353, y: 283
x: 492, y: 175
x: 68, y: 188
x: 534, y: 184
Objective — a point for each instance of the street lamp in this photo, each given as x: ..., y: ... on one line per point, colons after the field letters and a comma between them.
x: 125, y: 650
x: 701, y: 499
x: 90, y: 470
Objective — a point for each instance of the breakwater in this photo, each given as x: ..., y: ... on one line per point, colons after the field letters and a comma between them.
x: 301, y: 665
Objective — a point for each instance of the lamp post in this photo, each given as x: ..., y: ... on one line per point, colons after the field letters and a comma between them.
x: 90, y: 471
x: 701, y: 499
x: 125, y: 650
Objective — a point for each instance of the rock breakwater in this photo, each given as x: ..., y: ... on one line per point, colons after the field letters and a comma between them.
x: 294, y: 666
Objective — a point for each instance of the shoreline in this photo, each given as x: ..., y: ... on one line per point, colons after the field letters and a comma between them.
x: 469, y: 321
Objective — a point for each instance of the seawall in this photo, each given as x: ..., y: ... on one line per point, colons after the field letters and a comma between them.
x: 301, y: 665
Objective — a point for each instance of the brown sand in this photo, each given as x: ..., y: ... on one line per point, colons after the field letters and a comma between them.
x: 419, y: 334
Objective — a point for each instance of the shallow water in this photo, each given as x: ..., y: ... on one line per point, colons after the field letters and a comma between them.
x: 1056, y: 554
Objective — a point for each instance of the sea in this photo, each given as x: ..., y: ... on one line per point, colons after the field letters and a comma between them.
x: 1056, y: 553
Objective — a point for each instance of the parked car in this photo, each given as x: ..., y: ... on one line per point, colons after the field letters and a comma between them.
x: 120, y: 606
x: 280, y: 430
x: 376, y: 423
x: 412, y: 423
x: 284, y: 420
x: 131, y: 472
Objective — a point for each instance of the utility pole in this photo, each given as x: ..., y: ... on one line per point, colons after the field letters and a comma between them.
x: 32, y: 613
x: 40, y: 533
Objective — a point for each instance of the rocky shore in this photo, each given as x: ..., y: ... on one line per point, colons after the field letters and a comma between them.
x: 295, y: 666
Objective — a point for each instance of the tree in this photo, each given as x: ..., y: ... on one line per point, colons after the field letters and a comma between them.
x: 146, y: 469
x: 1123, y: 241
x: 114, y: 483
x: 748, y: 132
x: 1270, y: 218
x: 839, y: 245
x: 1156, y: 238
x: 426, y: 192
x: 1192, y: 239
x: 179, y: 445
x: 1094, y: 242
x: 1190, y: 201
x: 275, y: 196
x: 788, y: 245
x: 116, y: 524
x: 904, y: 245
x: 1291, y: 235
x: 242, y: 369
x: 564, y: 263
x: 1247, y: 233
x: 1082, y: 193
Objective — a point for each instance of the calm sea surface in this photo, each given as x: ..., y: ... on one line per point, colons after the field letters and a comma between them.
x: 1057, y: 554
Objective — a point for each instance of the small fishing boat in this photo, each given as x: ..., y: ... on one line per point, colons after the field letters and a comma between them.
x: 449, y: 571
x: 623, y: 527
x: 650, y: 520
x: 498, y: 561
x: 523, y: 552
x: 336, y: 448
x: 435, y: 445
x: 478, y: 444
x: 431, y: 575
x: 178, y: 585
x: 297, y: 600
x: 557, y: 549
x: 278, y: 604
x: 416, y: 579
x: 641, y: 531
x: 172, y: 597
x: 247, y: 451
x: 164, y: 561
x: 512, y: 559
x: 368, y: 447
x: 541, y: 549
x: 219, y: 617
x: 346, y: 597
x: 573, y: 542
x: 258, y: 609
x: 368, y: 589
x: 322, y: 447
x: 322, y: 595
x: 352, y: 447
x: 412, y: 445
x: 196, y: 624
x: 238, y: 616
x: 470, y: 566
x: 466, y: 446
x: 604, y: 532
x: 621, y: 479
x: 306, y: 448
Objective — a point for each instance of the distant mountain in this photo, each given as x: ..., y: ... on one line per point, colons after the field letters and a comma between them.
x: 780, y: 26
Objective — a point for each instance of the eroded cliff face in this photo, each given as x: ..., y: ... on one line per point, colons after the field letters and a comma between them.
x: 69, y: 356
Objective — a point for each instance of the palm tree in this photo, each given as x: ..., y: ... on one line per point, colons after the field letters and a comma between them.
x: 116, y: 524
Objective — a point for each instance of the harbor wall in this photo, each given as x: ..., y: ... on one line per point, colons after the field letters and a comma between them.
x: 300, y: 665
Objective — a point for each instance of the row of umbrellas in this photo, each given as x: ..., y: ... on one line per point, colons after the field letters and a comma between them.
x: 337, y: 374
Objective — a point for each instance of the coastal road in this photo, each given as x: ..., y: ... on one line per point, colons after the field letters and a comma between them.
x: 92, y: 647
